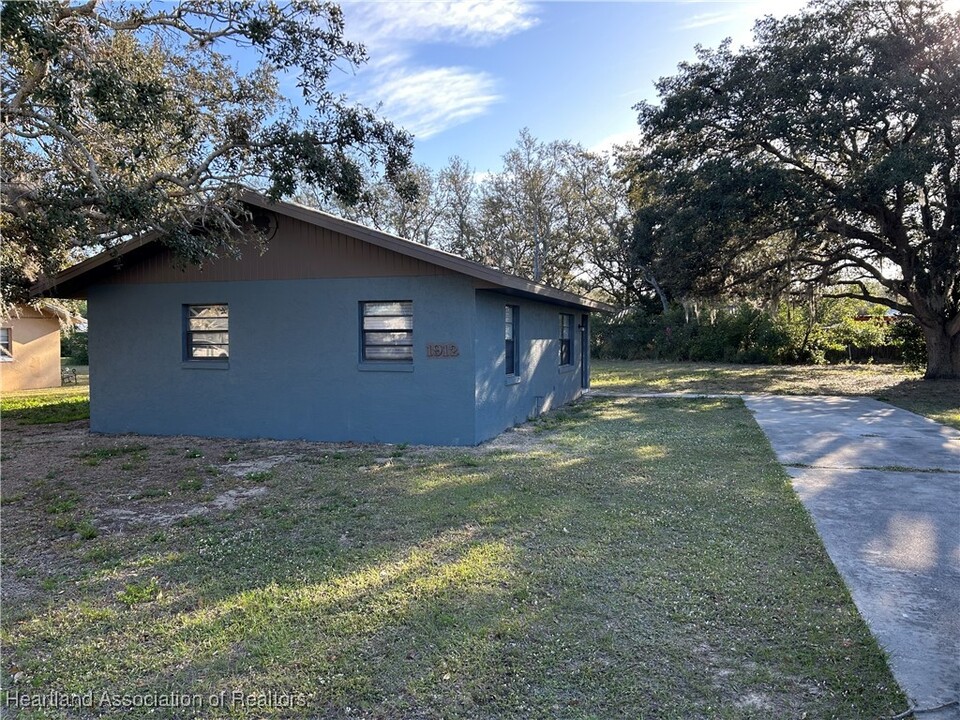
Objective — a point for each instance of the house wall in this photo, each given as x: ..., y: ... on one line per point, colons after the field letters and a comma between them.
x: 36, y: 351
x: 541, y: 383
x: 294, y: 368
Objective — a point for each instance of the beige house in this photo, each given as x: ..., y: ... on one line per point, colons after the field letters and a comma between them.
x: 29, y: 348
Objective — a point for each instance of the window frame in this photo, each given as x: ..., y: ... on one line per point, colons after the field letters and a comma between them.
x: 6, y: 348
x: 566, y: 343
x: 511, y: 344
x: 366, y: 332
x: 189, y: 333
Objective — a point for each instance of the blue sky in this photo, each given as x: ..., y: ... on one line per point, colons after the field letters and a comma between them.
x: 465, y: 77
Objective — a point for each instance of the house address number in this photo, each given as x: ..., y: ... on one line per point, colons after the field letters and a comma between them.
x: 442, y: 350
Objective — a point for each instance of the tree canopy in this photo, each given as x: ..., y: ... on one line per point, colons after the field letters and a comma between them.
x: 555, y: 213
x: 826, y: 154
x: 124, y: 118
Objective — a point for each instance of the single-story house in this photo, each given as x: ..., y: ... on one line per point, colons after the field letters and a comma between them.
x: 336, y: 332
x: 30, y: 346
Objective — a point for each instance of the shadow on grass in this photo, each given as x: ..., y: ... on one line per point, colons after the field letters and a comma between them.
x: 939, y: 399
x: 67, y: 410
x: 936, y: 399
x: 644, y: 558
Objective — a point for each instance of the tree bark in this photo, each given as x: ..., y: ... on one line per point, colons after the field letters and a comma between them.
x: 943, y: 352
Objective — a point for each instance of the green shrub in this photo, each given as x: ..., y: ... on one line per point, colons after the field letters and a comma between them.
x: 73, y: 345
x: 742, y: 334
x: 830, y: 330
x: 640, y: 335
x: 907, y: 336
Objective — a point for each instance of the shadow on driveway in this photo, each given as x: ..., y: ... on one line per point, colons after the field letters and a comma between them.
x: 883, y: 488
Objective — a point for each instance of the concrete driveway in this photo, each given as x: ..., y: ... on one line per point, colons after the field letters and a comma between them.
x: 883, y: 488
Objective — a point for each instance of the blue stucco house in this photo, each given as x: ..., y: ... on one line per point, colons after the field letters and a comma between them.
x: 336, y: 332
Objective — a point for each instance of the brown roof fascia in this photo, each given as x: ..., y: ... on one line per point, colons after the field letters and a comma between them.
x: 65, y: 279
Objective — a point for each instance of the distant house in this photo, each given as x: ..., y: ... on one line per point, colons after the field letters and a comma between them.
x: 337, y: 332
x: 30, y: 347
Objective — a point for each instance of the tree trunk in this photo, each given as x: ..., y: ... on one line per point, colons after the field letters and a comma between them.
x: 943, y: 353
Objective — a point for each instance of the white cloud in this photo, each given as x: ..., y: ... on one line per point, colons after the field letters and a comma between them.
x: 472, y: 22
x: 706, y: 19
x: 426, y: 100
x: 429, y: 101
x: 608, y: 143
x: 738, y: 17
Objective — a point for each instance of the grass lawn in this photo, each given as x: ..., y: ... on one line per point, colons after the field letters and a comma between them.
x: 894, y: 384
x: 47, y: 405
x: 622, y: 558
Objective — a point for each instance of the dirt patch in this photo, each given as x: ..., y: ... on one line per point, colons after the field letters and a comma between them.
x: 15, y: 589
x: 70, y: 495
x: 63, y: 485
x: 232, y: 498
x: 756, y: 701
x: 255, y: 467
x: 524, y: 438
x: 114, y: 518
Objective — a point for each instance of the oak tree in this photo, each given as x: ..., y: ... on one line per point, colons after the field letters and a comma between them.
x: 118, y: 119
x: 825, y: 153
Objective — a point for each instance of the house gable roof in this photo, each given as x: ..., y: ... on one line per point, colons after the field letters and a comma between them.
x: 43, y: 308
x: 76, y: 278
